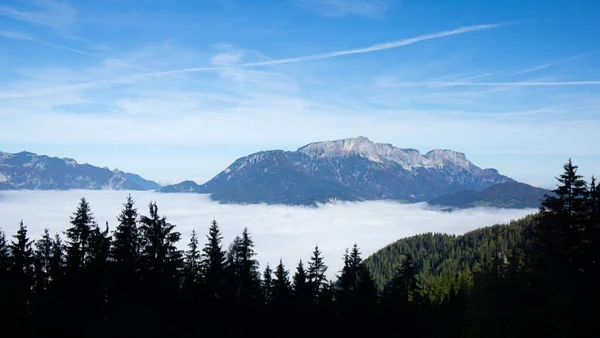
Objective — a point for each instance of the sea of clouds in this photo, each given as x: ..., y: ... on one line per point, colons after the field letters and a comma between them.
x: 286, y: 232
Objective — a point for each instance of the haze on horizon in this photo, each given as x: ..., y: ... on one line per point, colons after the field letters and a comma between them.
x: 177, y: 92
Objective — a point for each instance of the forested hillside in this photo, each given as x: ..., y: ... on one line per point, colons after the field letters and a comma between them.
x: 437, y: 254
x: 537, y: 277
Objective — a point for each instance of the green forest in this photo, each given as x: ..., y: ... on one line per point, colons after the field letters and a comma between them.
x: 534, y: 277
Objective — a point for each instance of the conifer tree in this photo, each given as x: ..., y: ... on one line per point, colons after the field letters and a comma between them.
x: 78, y: 235
x: 96, y: 274
x: 267, y: 285
x: 99, y: 249
x: 192, y: 262
x: 301, y: 288
x: 404, y: 285
x: 126, y: 239
x: 316, y: 275
x: 4, y: 263
x: 4, y: 254
x: 125, y: 251
x: 232, y: 270
x: 346, y: 282
x: 5, y: 306
x: 21, y: 273
x: 249, y: 275
x: 161, y: 262
x: 213, y: 263
x: 281, y: 285
x: 159, y: 252
x: 56, y: 259
x: 22, y: 257
x: 559, y: 237
x: 356, y: 292
x: 43, y: 257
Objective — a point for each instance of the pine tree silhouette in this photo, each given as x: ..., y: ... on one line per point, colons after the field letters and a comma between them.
x: 21, y: 282
x: 213, y: 265
x: 316, y: 275
x: 78, y: 236
x: 302, y: 290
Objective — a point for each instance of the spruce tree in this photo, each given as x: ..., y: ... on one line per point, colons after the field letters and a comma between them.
x: 56, y: 259
x: 43, y: 257
x: 301, y: 289
x: 232, y: 271
x: 356, y: 293
x: 346, y: 283
x: 248, y: 271
x: 192, y: 263
x: 126, y: 239
x: 213, y: 263
x: 560, y: 235
x: 22, y: 257
x: 160, y: 255
x: 125, y: 251
x: 78, y: 235
x: 281, y: 285
x: 21, y: 274
x: 267, y: 285
x: 316, y: 275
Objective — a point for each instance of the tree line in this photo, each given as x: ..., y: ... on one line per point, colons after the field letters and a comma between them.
x: 534, y: 277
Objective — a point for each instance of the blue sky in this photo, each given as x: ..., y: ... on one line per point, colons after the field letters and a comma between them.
x: 177, y: 90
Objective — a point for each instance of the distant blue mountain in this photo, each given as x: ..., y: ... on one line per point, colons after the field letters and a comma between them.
x: 39, y: 172
x: 353, y: 169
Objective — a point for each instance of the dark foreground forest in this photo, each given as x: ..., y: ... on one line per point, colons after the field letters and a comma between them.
x: 536, y: 277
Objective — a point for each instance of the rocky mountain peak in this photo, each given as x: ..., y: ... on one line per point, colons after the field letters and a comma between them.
x: 382, y: 152
x: 437, y: 157
x: 360, y: 145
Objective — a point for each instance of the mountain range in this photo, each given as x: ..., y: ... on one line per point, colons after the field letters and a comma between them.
x: 352, y: 169
x: 30, y: 171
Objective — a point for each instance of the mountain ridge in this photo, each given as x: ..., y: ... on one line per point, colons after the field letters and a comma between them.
x: 29, y: 171
x: 351, y: 169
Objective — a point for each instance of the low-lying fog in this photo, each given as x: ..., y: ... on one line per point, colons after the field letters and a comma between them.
x: 283, y: 232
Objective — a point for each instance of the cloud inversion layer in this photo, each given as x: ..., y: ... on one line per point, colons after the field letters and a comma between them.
x: 283, y: 232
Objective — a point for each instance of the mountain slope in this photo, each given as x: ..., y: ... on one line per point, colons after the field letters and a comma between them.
x: 442, y: 254
x: 348, y: 169
x: 503, y: 195
x: 30, y: 171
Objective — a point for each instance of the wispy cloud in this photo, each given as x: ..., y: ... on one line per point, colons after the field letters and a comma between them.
x: 486, y: 84
x: 27, y: 37
x: 338, y: 8
x: 370, y: 49
x: 231, y: 56
x: 50, y: 13
x: 545, y: 65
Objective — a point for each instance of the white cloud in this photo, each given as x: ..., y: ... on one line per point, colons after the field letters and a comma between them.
x: 283, y: 232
